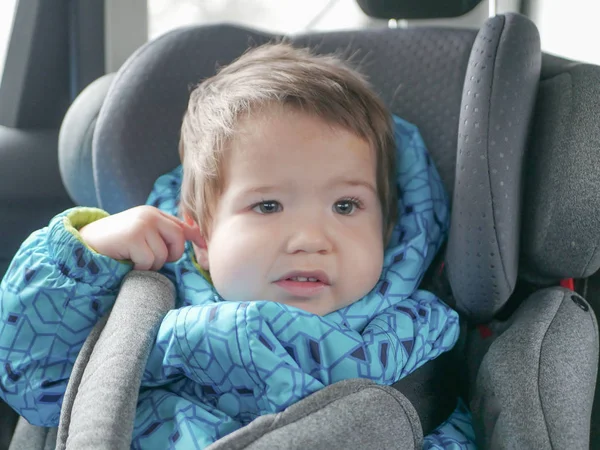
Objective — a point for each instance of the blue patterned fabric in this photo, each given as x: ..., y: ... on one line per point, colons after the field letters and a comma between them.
x: 217, y: 365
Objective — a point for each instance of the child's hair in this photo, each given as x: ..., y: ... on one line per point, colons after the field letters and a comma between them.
x: 322, y: 86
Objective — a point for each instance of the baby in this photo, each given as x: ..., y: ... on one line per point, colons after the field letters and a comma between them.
x: 288, y: 198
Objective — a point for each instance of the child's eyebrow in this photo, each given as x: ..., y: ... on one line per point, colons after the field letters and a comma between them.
x: 353, y: 182
x: 341, y: 181
x: 264, y: 189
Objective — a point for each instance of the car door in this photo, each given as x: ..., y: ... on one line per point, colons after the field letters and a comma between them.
x: 53, y: 50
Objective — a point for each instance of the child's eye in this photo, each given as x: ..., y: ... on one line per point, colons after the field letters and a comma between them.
x: 267, y: 207
x: 347, y: 206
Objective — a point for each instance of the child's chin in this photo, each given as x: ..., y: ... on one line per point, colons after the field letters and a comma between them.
x: 306, y: 306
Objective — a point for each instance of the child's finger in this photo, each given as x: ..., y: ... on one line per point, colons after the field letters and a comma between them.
x: 141, y: 256
x: 193, y: 234
x: 159, y: 250
x: 176, y: 220
x: 173, y: 237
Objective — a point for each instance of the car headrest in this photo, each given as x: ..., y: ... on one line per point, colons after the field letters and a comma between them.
x: 75, y: 142
x: 561, y: 215
x: 416, y: 9
x: 499, y: 94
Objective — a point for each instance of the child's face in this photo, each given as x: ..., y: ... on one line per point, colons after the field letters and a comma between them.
x: 299, y: 202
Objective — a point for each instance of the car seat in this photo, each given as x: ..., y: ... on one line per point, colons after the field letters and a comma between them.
x: 531, y: 367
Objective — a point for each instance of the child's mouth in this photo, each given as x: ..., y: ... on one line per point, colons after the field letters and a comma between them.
x: 304, y: 288
x: 304, y: 284
x: 310, y: 279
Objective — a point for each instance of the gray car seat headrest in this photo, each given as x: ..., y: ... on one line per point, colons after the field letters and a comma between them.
x: 561, y: 220
x: 75, y: 142
x: 416, y: 9
x: 497, y: 105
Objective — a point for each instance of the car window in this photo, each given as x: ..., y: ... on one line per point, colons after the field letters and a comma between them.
x: 278, y: 16
x: 567, y: 29
x: 7, y: 14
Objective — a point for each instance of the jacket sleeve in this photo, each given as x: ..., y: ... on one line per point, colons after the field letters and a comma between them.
x: 55, y: 290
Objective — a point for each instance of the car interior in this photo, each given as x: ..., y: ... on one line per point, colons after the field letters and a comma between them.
x: 511, y: 127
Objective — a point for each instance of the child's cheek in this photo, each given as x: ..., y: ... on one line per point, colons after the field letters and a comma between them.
x: 232, y: 279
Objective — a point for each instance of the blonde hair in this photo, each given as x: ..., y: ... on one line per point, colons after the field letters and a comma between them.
x: 323, y: 86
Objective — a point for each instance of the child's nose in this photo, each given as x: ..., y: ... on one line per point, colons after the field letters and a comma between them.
x: 309, y: 238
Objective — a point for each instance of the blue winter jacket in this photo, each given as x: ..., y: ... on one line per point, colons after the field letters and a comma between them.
x: 217, y: 365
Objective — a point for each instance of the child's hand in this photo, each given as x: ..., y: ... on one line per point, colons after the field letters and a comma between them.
x: 144, y: 234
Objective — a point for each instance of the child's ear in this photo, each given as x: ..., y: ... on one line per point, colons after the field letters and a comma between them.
x: 199, y: 243
x: 202, y: 256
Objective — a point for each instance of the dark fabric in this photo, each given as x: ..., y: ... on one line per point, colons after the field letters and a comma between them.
x: 433, y: 390
x: 561, y: 216
x: 7, y: 424
x: 533, y: 384
x: 351, y: 415
x: 590, y: 289
x: 420, y: 73
x: 24, y: 206
x: 554, y: 65
x: 75, y: 142
x: 497, y: 104
x: 435, y: 386
x: 416, y: 9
